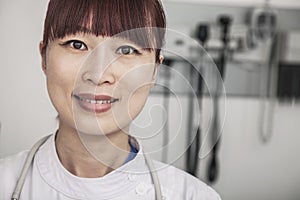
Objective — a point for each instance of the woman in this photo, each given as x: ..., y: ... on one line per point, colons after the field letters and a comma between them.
x: 100, y: 59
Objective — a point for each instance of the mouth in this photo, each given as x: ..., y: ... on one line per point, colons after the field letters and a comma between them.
x: 96, y: 100
x: 95, y: 103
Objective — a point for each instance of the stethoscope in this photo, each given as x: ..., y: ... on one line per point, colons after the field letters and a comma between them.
x: 18, y: 189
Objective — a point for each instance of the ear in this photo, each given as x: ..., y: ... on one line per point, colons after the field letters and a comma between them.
x: 157, y: 65
x: 43, y: 56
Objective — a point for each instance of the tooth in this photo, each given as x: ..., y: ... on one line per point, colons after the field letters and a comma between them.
x: 99, y: 101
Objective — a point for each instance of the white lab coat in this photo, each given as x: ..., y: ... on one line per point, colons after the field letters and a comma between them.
x: 49, y: 180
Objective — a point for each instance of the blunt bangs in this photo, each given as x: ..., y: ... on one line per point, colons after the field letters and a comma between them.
x: 107, y: 18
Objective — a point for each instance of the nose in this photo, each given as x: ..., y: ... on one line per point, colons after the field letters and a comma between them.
x: 92, y: 77
x: 97, y: 69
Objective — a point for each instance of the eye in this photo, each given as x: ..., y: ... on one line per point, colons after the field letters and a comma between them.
x: 127, y: 50
x: 76, y: 44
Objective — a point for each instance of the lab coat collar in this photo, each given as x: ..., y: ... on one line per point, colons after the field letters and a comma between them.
x: 111, y: 185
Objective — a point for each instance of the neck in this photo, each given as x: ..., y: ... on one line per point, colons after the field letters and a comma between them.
x: 91, y: 156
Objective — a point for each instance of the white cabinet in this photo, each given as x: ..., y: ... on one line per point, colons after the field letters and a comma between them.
x: 222, y: 2
x: 293, y: 4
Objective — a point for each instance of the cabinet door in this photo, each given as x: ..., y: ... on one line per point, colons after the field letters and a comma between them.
x: 222, y: 2
x: 292, y: 4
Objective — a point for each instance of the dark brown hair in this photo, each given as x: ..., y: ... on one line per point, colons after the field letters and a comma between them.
x: 107, y: 18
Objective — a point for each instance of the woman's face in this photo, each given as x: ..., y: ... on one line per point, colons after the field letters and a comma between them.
x: 98, y: 85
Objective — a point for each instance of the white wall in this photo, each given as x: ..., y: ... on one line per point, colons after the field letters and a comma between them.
x: 25, y: 111
x: 249, y: 168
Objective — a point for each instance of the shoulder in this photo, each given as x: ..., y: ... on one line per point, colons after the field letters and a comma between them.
x: 178, y: 184
x: 10, y: 169
x: 10, y: 166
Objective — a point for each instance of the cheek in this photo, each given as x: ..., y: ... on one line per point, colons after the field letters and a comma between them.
x: 61, y: 70
x: 61, y: 74
x: 138, y: 77
x: 138, y: 82
x: 137, y: 101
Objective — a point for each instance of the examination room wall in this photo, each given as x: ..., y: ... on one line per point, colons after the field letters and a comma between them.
x: 249, y: 168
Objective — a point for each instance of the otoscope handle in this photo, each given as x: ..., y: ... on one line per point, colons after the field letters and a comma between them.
x: 225, y: 22
x: 202, y: 33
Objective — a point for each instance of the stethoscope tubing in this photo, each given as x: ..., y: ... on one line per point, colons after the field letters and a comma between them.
x: 28, y: 162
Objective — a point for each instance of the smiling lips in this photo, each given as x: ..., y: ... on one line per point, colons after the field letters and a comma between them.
x: 95, y: 103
